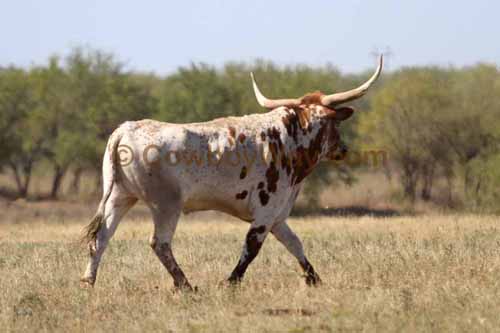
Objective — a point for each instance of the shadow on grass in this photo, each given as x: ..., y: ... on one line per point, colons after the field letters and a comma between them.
x: 8, y: 194
x: 348, y: 211
x: 85, y: 208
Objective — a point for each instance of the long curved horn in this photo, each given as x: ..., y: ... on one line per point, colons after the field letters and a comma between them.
x: 350, y: 95
x: 272, y: 103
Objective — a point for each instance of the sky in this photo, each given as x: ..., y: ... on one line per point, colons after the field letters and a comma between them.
x: 159, y: 36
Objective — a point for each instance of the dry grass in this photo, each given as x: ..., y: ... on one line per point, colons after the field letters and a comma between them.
x: 434, y: 273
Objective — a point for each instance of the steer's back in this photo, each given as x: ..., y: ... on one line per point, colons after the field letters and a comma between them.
x: 211, y: 165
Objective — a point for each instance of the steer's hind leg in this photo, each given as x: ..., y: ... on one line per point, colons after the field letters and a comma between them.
x: 117, y: 205
x: 165, y: 219
x: 289, y: 239
x: 253, y: 242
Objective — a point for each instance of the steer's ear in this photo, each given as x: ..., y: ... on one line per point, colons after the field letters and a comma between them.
x: 341, y: 113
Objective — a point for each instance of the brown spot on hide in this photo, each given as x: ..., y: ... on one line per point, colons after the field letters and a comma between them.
x: 286, y: 163
x: 276, y: 145
x: 242, y: 195
x: 290, y: 120
x: 264, y: 197
x: 305, y: 159
x: 272, y: 176
x: 274, y: 134
x: 273, y: 148
x: 232, y: 131
x: 243, y: 172
x: 241, y: 138
x: 253, y: 243
x: 297, y: 118
x: 258, y: 230
x: 304, y: 119
x: 261, y: 185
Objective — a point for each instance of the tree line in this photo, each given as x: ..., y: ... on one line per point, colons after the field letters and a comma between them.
x: 441, y: 124
x: 436, y: 124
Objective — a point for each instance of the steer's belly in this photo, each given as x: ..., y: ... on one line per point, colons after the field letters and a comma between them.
x: 236, y: 209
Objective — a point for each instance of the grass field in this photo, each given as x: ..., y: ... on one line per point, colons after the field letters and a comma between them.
x: 426, y: 273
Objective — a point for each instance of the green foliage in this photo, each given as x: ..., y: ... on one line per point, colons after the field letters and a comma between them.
x: 437, y: 125
x: 64, y: 112
x: 484, y: 190
x: 17, y: 149
x: 15, y: 103
x: 193, y: 94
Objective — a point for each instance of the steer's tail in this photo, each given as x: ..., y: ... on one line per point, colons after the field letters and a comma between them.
x: 108, y: 179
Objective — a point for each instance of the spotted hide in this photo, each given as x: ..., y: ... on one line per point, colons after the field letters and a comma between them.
x: 250, y: 167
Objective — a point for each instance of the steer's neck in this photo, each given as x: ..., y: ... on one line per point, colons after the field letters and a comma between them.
x: 301, y: 149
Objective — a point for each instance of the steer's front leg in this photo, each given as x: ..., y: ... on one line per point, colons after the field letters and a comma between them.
x: 289, y: 239
x: 253, y: 242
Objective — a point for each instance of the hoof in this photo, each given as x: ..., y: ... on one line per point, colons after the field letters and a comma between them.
x: 86, y: 282
x: 313, y: 280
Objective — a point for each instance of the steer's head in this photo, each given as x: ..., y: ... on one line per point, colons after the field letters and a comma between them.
x: 325, y: 111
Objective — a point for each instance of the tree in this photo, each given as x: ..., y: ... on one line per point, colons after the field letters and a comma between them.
x: 475, y: 128
x: 18, y: 151
x: 410, y: 119
x: 102, y: 95
x: 51, y: 117
x: 475, y: 135
x: 193, y: 94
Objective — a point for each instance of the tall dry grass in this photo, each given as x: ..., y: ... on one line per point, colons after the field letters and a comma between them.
x: 433, y: 273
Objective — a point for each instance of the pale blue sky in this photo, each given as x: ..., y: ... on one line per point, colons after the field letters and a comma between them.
x: 162, y: 35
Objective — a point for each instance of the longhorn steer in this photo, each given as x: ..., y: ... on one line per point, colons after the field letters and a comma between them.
x: 251, y: 167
